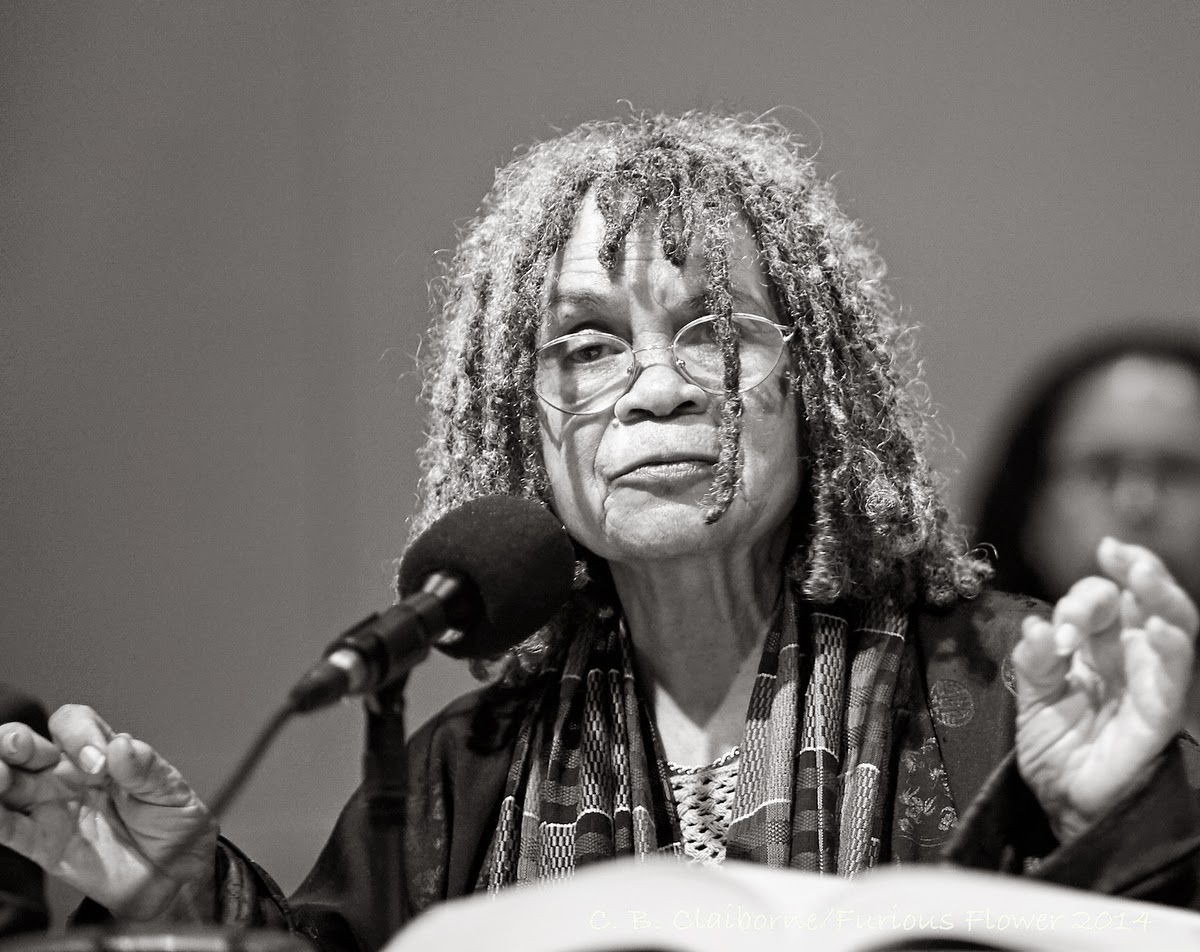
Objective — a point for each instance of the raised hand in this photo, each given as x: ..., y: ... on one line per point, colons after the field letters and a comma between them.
x: 103, y: 812
x: 1101, y: 688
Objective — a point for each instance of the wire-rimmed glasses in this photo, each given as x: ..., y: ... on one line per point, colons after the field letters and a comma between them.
x: 589, y: 371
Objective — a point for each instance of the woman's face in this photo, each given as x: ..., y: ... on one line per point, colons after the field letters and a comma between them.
x: 628, y: 482
x: 1123, y: 459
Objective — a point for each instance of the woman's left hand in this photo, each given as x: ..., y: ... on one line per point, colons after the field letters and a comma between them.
x: 1101, y: 688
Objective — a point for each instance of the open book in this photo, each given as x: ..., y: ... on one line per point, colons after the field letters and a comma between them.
x: 663, y: 905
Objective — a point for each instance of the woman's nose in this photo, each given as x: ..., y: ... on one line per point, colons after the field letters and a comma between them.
x: 658, y: 388
x: 1136, y: 496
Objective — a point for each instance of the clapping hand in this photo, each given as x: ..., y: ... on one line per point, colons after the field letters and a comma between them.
x: 104, y: 812
x: 1102, y: 686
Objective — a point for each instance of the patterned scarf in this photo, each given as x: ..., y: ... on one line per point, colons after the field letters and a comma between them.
x: 828, y: 722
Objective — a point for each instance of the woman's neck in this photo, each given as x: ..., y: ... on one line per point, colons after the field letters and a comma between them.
x: 698, y: 626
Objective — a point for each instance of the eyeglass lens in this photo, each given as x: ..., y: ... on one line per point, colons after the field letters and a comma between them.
x: 589, y: 371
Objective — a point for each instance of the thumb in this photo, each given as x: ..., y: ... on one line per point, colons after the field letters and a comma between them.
x: 160, y: 809
x: 139, y: 770
x: 1040, y: 670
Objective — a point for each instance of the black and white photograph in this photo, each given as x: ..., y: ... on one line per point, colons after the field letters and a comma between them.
x: 565, y: 477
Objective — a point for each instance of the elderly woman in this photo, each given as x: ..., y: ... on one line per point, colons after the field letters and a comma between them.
x: 777, y: 649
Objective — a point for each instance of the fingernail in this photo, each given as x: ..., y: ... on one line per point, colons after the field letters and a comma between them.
x: 10, y: 742
x: 91, y: 759
x: 1034, y: 627
x: 1115, y: 547
x: 1065, y: 637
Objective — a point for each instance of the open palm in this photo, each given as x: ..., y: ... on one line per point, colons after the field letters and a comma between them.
x: 1102, y: 686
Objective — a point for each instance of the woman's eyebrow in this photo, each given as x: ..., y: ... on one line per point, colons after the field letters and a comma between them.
x: 580, y: 299
x: 698, y: 302
x: 596, y: 303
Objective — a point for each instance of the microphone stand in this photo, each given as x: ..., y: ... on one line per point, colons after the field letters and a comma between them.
x: 385, y: 785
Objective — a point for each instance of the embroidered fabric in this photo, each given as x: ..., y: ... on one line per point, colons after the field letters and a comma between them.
x: 704, y: 797
x: 814, y: 786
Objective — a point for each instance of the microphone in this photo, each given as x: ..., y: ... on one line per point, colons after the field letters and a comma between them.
x: 480, y: 579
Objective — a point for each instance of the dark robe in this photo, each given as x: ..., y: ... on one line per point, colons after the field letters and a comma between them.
x: 22, y: 901
x: 1147, y: 846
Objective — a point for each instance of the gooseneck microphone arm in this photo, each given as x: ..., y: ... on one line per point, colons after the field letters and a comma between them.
x: 374, y: 655
x: 384, y: 647
x: 480, y: 579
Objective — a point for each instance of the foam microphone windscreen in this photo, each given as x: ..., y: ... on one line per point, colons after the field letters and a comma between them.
x: 517, y: 555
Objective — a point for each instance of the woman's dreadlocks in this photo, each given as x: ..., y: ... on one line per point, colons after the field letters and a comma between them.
x: 872, y: 522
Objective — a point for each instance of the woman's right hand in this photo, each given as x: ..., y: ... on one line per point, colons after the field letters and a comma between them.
x: 104, y: 812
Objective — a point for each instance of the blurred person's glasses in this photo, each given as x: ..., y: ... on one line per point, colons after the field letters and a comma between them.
x: 1166, y: 472
x: 589, y: 371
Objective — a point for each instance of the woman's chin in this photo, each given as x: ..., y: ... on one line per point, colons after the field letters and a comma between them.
x: 663, y: 526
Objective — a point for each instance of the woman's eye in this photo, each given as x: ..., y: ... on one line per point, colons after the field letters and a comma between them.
x: 588, y: 352
x: 1177, y: 469
x: 708, y: 336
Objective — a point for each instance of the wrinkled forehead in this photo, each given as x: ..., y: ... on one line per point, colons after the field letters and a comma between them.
x: 640, y: 260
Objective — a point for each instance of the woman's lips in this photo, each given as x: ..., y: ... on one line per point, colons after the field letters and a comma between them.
x: 665, y: 473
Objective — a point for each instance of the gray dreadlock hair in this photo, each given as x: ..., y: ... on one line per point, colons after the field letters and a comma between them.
x: 871, y: 521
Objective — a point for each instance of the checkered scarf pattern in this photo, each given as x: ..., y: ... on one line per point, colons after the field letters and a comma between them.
x: 589, y: 782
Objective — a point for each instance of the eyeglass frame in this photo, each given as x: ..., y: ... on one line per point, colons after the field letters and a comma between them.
x: 785, y: 334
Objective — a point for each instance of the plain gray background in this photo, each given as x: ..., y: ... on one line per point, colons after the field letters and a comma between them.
x: 218, y: 221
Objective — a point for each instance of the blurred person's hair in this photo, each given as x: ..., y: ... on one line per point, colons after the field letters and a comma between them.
x: 1017, y: 466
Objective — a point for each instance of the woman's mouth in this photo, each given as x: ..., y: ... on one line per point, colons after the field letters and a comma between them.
x: 665, y: 473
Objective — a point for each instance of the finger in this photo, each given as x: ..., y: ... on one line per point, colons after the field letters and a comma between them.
x: 18, y: 832
x: 1132, y: 615
x: 1157, y: 667
x: 1090, y: 605
x: 1068, y: 639
x: 1104, y: 656
x: 1116, y: 558
x: 1153, y: 587
x: 83, y: 736
x: 1100, y: 651
x: 22, y: 746
x: 143, y: 773
x: 22, y: 790
x: 1040, y: 671
x: 1174, y: 646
